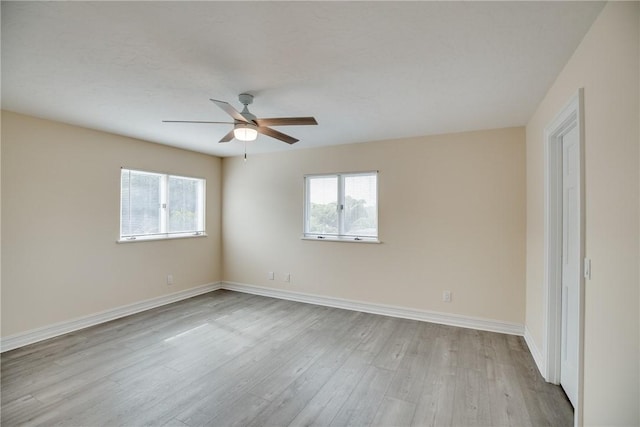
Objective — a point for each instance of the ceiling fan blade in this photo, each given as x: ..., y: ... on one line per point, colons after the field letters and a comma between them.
x: 277, y: 135
x: 228, y: 137
x: 230, y: 110
x: 287, y: 121
x: 195, y: 121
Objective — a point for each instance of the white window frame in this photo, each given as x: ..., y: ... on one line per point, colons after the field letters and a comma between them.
x: 340, y: 237
x: 165, y: 209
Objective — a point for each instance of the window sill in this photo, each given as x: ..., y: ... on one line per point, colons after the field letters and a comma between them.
x: 341, y: 239
x: 164, y: 237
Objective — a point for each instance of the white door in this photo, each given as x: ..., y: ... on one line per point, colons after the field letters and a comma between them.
x: 570, y: 265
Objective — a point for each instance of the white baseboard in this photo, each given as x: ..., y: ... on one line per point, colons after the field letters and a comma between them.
x: 29, y: 337
x: 386, y: 310
x: 32, y: 336
x: 535, y: 351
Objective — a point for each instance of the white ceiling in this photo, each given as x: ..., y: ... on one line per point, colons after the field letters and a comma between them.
x: 366, y: 70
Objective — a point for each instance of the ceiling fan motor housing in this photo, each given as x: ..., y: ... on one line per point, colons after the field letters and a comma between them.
x: 247, y: 99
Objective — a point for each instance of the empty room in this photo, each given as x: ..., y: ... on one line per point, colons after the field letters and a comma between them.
x: 320, y: 213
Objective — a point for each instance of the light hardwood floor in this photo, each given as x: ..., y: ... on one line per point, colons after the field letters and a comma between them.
x: 227, y: 358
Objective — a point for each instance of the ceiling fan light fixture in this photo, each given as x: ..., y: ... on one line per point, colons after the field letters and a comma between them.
x: 245, y: 132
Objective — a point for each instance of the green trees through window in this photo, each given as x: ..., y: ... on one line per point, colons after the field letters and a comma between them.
x: 342, y: 205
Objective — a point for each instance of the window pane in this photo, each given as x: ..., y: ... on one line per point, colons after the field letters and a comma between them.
x: 184, y: 206
x: 322, y: 208
x: 140, y: 201
x: 125, y: 217
x: 155, y: 205
x: 360, y: 205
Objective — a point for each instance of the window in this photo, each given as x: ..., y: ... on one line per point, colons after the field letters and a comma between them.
x: 155, y: 206
x: 341, y: 206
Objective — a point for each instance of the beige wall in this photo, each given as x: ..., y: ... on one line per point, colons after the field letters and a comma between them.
x: 606, y: 64
x: 60, y: 222
x: 451, y: 217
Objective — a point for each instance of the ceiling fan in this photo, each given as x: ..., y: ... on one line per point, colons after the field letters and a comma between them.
x: 246, y: 126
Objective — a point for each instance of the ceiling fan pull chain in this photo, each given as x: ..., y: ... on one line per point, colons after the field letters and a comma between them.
x: 245, y: 151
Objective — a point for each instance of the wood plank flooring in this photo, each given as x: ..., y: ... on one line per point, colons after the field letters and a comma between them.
x: 233, y: 359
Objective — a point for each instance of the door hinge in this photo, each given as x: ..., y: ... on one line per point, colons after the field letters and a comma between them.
x: 587, y: 268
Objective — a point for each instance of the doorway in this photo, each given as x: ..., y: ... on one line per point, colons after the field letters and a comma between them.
x: 564, y: 251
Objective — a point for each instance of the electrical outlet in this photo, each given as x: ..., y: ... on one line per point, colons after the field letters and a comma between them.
x: 170, y: 279
x: 271, y: 275
x: 287, y: 277
x: 446, y: 296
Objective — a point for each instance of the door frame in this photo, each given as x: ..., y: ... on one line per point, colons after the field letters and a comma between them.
x: 571, y: 115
